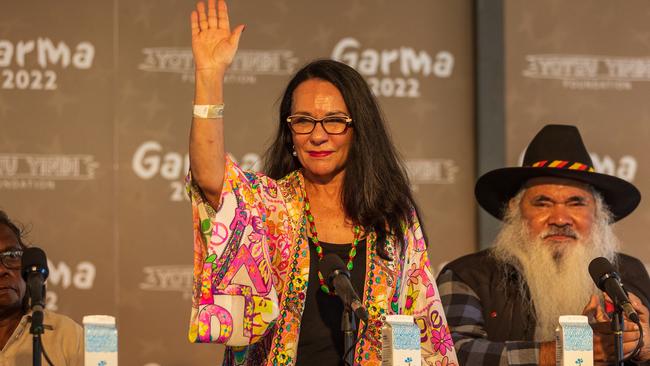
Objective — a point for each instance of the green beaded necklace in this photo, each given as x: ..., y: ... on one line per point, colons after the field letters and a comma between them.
x: 319, y: 250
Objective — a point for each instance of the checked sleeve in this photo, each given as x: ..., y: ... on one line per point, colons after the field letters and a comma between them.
x: 465, y: 318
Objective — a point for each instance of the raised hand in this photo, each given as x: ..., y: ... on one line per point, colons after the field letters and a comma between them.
x: 214, y: 47
x: 213, y: 44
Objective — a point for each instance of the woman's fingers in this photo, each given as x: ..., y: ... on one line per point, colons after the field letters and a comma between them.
x: 236, y: 35
x: 203, y: 19
x: 212, y: 14
x: 194, y: 23
x: 222, y: 15
x: 216, y: 17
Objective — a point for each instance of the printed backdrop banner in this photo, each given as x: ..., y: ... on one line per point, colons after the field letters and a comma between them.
x: 95, y: 108
x: 57, y: 148
x: 593, y: 73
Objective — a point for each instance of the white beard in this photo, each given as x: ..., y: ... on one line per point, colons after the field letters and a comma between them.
x: 556, y: 275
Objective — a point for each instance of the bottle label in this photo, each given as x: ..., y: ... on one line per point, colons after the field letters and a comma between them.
x: 100, y: 338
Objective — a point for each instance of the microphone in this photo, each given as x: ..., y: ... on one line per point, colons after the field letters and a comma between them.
x: 338, y: 279
x: 35, y: 272
x: 608, y: 280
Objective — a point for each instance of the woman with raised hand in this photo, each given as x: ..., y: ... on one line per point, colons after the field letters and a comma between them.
x: 333, y: 183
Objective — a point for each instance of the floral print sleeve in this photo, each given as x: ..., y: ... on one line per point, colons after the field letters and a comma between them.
x: 419, y: 297
x: 238, y: 257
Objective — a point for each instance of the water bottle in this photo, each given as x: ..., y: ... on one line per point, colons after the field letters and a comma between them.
x: 100, y: 335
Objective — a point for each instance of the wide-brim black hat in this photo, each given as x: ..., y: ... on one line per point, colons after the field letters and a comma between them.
x: 556, y: 151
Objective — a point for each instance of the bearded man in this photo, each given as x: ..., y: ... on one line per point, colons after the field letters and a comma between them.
x: 503, y: 303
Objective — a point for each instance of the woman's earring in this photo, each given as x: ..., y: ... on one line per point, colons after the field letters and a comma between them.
x: 294, y: 153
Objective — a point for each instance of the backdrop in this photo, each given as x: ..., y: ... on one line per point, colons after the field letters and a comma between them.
x: 584, y: 63
x: 95, y: 107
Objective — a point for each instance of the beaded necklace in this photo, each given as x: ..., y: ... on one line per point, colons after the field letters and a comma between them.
x: 319, y: 250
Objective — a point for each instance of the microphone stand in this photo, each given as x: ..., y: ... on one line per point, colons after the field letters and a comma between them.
x: 348, y: 327
x: 36, y: 330
x: 617, y: 328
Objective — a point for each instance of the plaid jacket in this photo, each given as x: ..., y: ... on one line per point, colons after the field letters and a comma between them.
x: 465, y: 318
x: 496, y: 329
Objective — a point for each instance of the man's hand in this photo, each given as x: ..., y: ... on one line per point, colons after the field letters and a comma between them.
x: 644, y: 319
x: 604, y: 348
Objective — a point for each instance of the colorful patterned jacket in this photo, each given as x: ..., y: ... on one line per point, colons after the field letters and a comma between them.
x: 251, y: 265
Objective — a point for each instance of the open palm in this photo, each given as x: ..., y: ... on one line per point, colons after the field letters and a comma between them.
x: 213, y: 44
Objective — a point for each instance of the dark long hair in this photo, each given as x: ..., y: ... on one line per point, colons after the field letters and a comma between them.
x: 376, y: 190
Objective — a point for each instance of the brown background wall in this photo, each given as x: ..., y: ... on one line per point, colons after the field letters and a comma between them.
x: 93, y: 151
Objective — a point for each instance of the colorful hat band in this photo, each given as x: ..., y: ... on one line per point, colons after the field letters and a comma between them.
x: 563, y: 164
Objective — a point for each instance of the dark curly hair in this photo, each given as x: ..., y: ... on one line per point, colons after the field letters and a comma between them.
x: 18, y: 231
x: 376, y: 190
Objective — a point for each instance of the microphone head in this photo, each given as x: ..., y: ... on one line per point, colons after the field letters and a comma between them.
x: 331, y: 265
x: 600, y: 269
x: 34, y: 260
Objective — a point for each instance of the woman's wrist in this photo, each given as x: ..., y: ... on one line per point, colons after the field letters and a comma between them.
x: 208, y: 98
x: 210, y: 71
x: 208, y: 86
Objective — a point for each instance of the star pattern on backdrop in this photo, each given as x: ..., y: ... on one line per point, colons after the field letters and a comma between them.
x: 13, y: 25
x: 282, y: 7
x: 354, y: 10
x: 378, y: 34
x: 127, y: 92
x: 78, y: 221
x: 535, y: 110
x: 143, y: 13
x: 100, y: 75
x: 53, y: 146
x: 322, y: 36
x: 163, y: 130
x: 5, y: 107
x: 514, y: 97
x: 555, y: 38
x: 60, y: 99
x: 525, y: 26
x: 152, y: 106
x: 151, y: 346
x: 271, y: 29
x: 423, y: 109
x: 9, y: 144
x: 643, y: 37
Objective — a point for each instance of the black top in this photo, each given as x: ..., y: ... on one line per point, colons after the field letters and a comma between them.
x: 321, y: 339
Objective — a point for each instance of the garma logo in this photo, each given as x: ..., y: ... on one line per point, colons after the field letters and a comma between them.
x: 379, y: 66
x: 30, y: 64
x: 151, y: 159
x: 63, y: 276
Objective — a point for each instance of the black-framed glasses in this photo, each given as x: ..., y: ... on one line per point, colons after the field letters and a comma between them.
x: 11, y: 258
x: 334, y: 125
